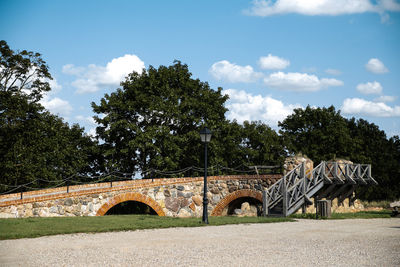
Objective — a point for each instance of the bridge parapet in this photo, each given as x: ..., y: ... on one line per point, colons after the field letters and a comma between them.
x: 167, y: 196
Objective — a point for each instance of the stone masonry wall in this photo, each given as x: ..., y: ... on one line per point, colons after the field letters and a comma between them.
x: 175, y: 200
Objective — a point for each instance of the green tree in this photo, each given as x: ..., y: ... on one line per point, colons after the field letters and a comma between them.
x: 23, y: 73
x: 34, y: 144
x: 371, y: 146
x: 319, y: 133
x: 154, y: 119
x: 323, y: 134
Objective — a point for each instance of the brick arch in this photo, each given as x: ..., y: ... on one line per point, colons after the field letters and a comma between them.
x: 217, y: 211
x: 130, y: 197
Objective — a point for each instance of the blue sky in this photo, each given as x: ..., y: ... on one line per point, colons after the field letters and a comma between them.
x: 269, y: 56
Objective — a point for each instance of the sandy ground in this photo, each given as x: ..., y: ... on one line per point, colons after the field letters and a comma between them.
x: 373, y: 242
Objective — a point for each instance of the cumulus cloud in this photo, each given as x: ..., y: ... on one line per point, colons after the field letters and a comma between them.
x: 370, y: 88
x: 299, y: 82
x: 374, y: 65
x: 265, y: 8
x: 358, y: 106
x: 56, y: 105
x: 385, y: 98
x: 333, y: 71
x: 244, y: 106
x: 271, y: 62
x: 230, y: 72
x: 93, y: 77
x: 86, y: 119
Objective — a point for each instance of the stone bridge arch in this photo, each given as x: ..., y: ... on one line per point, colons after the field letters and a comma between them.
x: 130, y: 197
x: 217, y: 211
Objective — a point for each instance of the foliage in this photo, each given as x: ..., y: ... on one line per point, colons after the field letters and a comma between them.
x: 34, y: 144
x: 153, y: 122
x: 35, y: 227
x: 319, y: 133
x: 23, y: 73
x: 323, y: 134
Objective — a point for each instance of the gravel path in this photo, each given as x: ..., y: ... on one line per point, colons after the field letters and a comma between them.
x: 373, y: 242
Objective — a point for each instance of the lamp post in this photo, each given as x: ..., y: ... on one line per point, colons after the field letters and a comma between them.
x: 205, y: 135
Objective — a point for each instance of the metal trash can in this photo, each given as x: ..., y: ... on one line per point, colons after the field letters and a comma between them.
x: 324, y: 208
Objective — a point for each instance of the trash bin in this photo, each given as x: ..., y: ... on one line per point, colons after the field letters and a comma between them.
x: 324, y: 208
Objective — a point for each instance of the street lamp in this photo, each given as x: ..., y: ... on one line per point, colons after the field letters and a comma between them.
x: 205, y: 135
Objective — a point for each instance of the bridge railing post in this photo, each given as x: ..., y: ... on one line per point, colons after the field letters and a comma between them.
x: 303, y: 176
x: 265, y: 202
x: 284, y: 197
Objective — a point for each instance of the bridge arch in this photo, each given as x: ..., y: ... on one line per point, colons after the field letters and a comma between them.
x: 133, y: 196
x: 219, y: 208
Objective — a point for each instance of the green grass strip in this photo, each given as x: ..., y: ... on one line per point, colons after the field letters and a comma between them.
x: 36, y: 227
x: 350, y: 215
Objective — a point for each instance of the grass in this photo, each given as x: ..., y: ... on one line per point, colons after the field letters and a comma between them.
x: 350, y: 215
x: 36, y: 227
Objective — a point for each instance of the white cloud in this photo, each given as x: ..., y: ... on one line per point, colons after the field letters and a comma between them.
x: 230, y: 72
x: 363, y: 107
x: 374, y: 65
x: 244, y: 106
x: 92, y: 78
x: 56, y: 105
x: 370, y: 88
x: 271, y: 62
x: 265, y: 8
x: 333, y: 71
x: 385, y: 98
x: 87, y: 119
x: 299, y: 82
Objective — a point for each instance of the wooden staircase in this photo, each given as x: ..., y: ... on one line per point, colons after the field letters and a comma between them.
x: 328, y: 180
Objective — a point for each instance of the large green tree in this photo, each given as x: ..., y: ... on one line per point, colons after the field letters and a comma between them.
x: 371, y: 146
x: 153, y: 122
x: 154, y: 119
x: 34, y: 144
x: 319, y: 133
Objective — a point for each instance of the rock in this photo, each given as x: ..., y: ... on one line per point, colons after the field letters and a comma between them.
x: 53, y: 209
x: 184, y: 202
x: 172, y: 204
x: 183, y: 213
x: 197, y: 200
x: 180, y: 187
x: 28, y: 213
x: 395, y: 204
x: 215, y: 199
x: 43, y: 213
x: 192, y: 206
x: 214, y: 190
x: 160, y: 195
x: 245, y: 206
x: 90, y: 206
x: 6, y: 215
x: 237, y: 211
x: 68, y: 202
x: 167, y: 193
x: 232, y: 188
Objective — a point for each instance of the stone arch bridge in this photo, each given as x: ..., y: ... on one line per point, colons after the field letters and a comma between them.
x: 176, y: 197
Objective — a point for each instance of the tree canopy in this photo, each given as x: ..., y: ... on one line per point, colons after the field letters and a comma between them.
x: 153, y: 122
x: 323, y: 134
x: 36, y: 147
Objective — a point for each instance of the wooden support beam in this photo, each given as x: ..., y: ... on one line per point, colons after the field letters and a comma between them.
x: 338, y: 192
x: 347, y: 194
x: 326, y: 191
